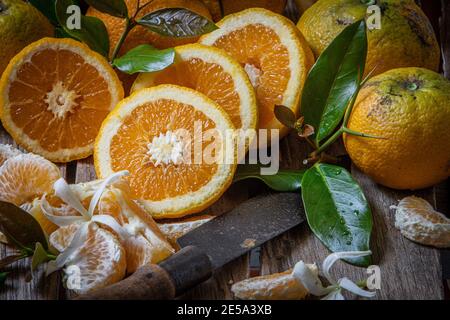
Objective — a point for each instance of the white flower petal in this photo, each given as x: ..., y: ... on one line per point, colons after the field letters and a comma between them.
x: 63, y: 191
x: 98, y: 194
x: 78, y: 240
x: 113, y: 224
x: 60, y: 221
x: 349, y: 285
x: 334, y: 295
x: 309, y: 280
x: 332, y: 258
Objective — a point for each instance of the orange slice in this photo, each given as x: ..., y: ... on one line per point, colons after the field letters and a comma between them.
x: 54, y: 96
x: 214, y: 73
x: 26, y: 177
x: 274, y: 54
x: 99, y: 262
x: 171, y: 172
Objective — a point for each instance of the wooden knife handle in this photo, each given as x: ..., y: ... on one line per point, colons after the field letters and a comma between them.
x: 171, y: 278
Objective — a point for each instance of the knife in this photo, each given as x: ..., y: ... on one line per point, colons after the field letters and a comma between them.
x: 208, y: 248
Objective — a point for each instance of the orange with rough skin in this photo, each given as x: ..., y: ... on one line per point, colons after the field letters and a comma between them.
x: 409, y: 108
x: 404, y: 38
x: 221, y: 8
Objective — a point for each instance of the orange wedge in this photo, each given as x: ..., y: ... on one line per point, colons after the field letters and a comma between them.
x: 274, y: 54
x: 99, y: 262
x: 26, y: 177
x: 214, y: 73
x: 54, y: 95
x: 171, y: 175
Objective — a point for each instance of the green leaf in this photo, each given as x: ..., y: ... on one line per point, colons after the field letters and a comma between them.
x: 40, y: 256
x: 92, y: 32
x: 285, y: 116
x: 3, y: 276
x: 6, y: 261
x: 145, y: 58
x: 283, y: 181
x: 177, y: 22
x: 337, y: 210
x: 116, y: 8
x: 334, y: 79
x: 47, y: 8
x: 20, y: 228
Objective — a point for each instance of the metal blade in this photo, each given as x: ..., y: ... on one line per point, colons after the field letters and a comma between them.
x: 249, y: 225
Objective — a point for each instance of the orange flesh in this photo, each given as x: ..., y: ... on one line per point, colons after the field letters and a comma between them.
x: 37, y: 77
x: 207, y: 78
x: 129, y: 149
x: 263, y: 50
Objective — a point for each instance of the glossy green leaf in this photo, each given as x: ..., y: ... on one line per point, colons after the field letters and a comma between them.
x: 145, y: 58
x: 285, y: 116
x: 20, y: 228
x: 177, y: 22
x: 3, y: 276
x: 6, y: 261
x: 283, y: 181
x: 337, y: 210
x: 92, y: 30
x: 40, y: 256
x: 47, y: 8
x: 116, y: 8
x: 334, y: 79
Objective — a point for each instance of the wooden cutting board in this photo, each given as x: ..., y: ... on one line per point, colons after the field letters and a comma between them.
x: 408, y: 270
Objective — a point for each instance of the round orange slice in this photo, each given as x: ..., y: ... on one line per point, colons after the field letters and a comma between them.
x: 214, y: 73
x: 54, y: 96
x: 173, y: 141
x: 274, y: 54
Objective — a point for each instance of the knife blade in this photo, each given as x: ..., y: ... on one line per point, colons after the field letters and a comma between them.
x: 209, y: 247
x: 249, y: 225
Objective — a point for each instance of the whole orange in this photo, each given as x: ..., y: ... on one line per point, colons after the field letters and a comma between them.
x: 409, y: 108
x: 220, y: 8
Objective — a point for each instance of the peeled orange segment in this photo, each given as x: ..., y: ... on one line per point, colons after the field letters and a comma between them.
x: 214, y: 73
x: 54, y: 96
x: 274, y: 54
x: 26, y: 177
x: 7, y: 151
x: 152, y: 135
x: 99, y: 262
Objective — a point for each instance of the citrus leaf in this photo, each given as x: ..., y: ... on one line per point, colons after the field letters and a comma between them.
x: 282, y: 181
x: 20, y: 228
x: 47, y: 8
x: 40, y: 256
x: 337, y: 210
x: 285, y: 116
x: 177, y: 22
x: 92, y: 30
x: 334, y: 79
x: 144, y: 58
x: 116, y: 8
x: 6, y: 261
x: 3, y: 276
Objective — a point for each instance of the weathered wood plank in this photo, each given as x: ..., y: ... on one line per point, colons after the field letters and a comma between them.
x: 16, y: 288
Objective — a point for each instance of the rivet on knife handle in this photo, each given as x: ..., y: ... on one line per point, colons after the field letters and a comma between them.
x: 182, y: 271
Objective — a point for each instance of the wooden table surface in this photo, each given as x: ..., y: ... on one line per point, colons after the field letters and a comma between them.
x: 408, y: 270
